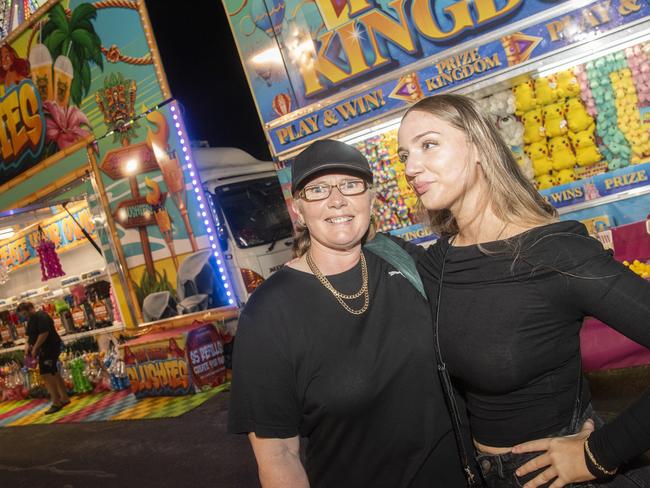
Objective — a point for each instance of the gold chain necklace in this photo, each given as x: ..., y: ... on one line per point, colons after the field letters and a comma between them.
x: 338, y: 295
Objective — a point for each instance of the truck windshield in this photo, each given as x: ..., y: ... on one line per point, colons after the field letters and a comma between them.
x: 255, y: 211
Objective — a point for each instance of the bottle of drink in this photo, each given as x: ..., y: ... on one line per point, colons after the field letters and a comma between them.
x: 63, y: 75
x: 40, y: 62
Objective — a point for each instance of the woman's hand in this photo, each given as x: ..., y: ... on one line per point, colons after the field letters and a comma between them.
x: 564, y: 459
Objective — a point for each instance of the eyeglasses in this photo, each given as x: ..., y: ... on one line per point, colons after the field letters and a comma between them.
x: 322, y: 191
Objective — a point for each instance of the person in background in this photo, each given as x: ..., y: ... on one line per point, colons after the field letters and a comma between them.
x: 511, y: 285
x: 44, y: 343
x: 337, y: 347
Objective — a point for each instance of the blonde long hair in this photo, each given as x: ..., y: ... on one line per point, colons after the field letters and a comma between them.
x: 512, y: 197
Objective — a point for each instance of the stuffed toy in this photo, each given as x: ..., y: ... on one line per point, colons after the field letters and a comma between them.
x: 561, y: 153
x: 502, y: 103
x: 545, y: 181
x: 511, y: 130
x: 620, y: 151
x: 585, y: 90
x: 565, y: 176
x: 629, y: 117
x: 616, y: 163
x: 554, y: 122
x: 524, y: 97
x: 640, y: 68
x: 567, y: 84
x: 546, y: 90
x: 526, y: 166
x: 533, y: 126
x: 483, y: 104
x: 584, y: 145
x: 578, y: 119
x: 538, y: 154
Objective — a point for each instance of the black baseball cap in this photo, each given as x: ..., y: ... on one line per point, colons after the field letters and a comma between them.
x: 328, y: 155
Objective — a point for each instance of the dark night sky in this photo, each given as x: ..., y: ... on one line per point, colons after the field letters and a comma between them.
x: 206, y: 75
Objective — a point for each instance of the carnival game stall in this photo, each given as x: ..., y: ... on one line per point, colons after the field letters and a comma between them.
x: 104, y: 223
x: 567, y: 84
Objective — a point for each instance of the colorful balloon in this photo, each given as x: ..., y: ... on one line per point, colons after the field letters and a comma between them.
x: 268, y: 16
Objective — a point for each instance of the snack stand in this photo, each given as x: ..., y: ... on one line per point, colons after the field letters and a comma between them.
x: 96, y: 166
x: 567, y: 84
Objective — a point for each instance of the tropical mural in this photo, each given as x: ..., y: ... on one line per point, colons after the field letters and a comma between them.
x: 72, y: 75
x: 81, y: 84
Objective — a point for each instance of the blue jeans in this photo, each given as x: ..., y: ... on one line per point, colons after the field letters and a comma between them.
x: 498, y: 470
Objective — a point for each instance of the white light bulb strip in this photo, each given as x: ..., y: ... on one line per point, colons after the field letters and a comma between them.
x: 208, y: 217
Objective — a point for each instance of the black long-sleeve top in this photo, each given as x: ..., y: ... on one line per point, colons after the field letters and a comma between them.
x: 510, y: 317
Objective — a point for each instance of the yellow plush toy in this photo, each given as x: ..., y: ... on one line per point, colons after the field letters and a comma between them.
x: 538, y: 154
x: 567, y: 84
x: 584, y: 144
x: 561, y: 153
x: 526, y: 165
x: 577, y: 116
x: 524, y: 97
x: 565, y: 176
x: 544, y: 182
x: 554, y: 122
x: 533, y: 126
x: 546, y: 90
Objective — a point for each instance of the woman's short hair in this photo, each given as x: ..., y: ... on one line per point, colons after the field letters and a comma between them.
x: 512, y: 196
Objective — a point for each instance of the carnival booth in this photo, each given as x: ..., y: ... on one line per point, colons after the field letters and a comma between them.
x: 103, y: 219
x: 567, y: 83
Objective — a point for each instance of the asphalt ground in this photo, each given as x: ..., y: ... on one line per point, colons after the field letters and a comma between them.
x: 190, y: 451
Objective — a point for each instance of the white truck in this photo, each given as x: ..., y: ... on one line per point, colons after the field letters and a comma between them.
x: 256, y: 228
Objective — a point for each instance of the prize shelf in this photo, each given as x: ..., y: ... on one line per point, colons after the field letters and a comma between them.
x: 118, y: 327
x: 51, y: 294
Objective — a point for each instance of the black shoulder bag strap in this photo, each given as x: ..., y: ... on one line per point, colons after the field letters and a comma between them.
x: 447, y: 386
x: 402, y: 261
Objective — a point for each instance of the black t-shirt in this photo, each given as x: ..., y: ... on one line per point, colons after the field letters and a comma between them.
x: 509, y: 331
x: 39, y: 323
x: 362, y: 388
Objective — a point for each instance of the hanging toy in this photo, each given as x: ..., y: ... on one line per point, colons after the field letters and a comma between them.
x: 50, y: 264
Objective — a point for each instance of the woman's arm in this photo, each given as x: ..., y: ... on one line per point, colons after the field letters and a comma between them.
x: 278, y: 462
x: 603, y: 288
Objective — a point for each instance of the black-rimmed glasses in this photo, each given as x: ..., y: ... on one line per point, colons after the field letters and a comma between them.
x: 321, y: 191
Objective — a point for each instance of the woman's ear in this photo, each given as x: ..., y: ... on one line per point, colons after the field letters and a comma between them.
x: 373, y: 196
x: 296, y: 206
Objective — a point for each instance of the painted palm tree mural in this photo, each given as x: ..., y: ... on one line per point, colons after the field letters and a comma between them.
x: 62, y: 49
x: 71, y: 38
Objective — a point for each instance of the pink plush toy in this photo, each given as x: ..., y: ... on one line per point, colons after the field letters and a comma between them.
x: 639, y: 62
x: 585, y: 90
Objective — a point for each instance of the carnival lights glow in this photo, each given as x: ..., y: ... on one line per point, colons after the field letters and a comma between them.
x: 214, y: 226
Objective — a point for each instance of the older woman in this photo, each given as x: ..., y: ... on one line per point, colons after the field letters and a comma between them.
x: 524, y: 281
x: 337, y: 347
